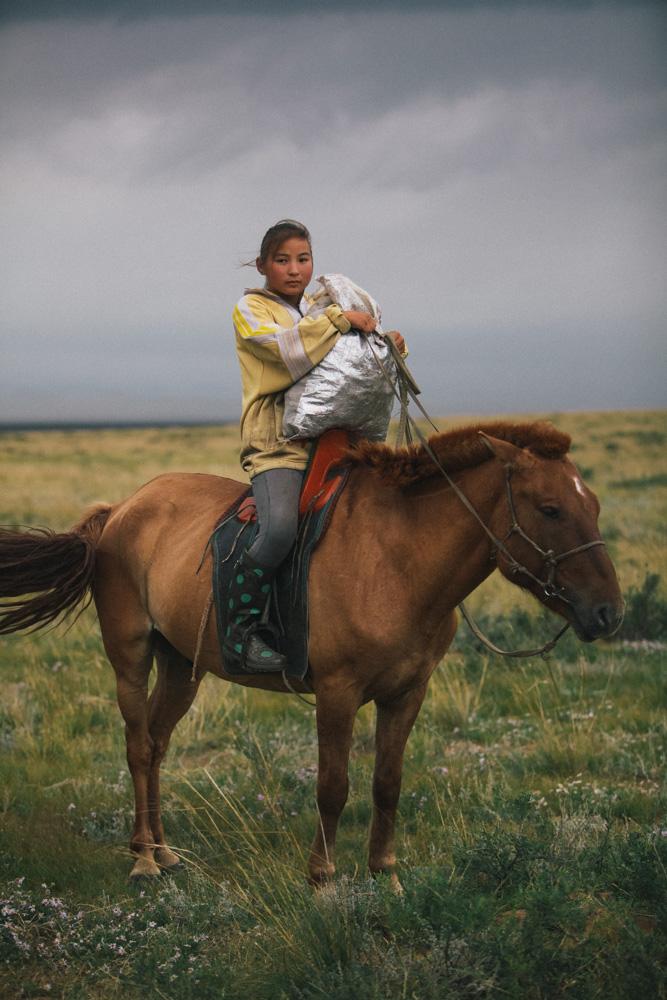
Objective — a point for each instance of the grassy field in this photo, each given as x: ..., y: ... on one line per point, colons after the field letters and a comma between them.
x: 532, y: 830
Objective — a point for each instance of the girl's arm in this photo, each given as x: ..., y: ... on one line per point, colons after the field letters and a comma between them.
x: 291, y: 351
x: 399, y: 341
x: 364, y: 321
x: 360, y: 320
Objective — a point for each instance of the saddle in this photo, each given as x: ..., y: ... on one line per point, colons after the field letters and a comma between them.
x: 325, y: 478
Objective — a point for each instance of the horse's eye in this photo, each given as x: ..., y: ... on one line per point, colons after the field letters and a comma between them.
x: 550, y: 510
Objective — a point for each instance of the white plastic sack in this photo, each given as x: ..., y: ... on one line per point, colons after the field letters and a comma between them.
x: 347, y: 388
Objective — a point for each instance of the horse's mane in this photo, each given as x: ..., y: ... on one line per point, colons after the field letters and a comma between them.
x: 456, y: 450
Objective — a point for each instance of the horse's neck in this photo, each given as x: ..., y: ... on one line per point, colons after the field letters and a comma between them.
x: 443, y: 550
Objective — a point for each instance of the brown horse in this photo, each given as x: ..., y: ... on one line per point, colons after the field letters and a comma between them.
x: 401, y: 552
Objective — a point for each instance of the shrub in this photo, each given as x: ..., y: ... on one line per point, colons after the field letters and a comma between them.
x: 645, y: 611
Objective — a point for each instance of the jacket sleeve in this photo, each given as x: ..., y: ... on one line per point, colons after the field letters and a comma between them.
x: 296, y: 349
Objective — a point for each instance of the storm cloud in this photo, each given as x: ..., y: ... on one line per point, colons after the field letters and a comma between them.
x: 493, y: 174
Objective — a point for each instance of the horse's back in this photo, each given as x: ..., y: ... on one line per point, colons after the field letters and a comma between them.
x: 153, y: 541
x: 172, y: 498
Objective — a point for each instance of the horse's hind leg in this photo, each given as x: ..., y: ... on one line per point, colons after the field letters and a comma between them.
x: 128, y: 641
x: 132, y: 660
x: 170, y: 699
x: 395, y: 719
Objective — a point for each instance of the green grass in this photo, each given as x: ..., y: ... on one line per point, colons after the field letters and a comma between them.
x: 532, y: 835
x: 642, y: 483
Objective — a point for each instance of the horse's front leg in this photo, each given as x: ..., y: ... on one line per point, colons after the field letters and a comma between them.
x: 335, y: 720
x: 394, y: 723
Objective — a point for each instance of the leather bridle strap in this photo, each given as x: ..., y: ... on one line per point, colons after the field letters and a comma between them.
x: 517, y: 653
x: 409, y: 388
x: 549, y: 557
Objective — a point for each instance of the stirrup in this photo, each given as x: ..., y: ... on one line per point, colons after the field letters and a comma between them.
x: 256, y: 656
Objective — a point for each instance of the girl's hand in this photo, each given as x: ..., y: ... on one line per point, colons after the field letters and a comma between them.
x: 360, y: 320
x: 398, y: 340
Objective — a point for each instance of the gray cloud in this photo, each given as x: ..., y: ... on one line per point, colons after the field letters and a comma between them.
x: 131, y: 10
x: 493, y: 176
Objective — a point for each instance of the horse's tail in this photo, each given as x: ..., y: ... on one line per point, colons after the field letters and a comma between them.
x: 46, y: 575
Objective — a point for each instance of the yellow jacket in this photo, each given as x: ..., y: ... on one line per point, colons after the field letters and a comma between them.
x: 276, y: 345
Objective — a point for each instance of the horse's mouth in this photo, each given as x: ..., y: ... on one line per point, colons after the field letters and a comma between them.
x: 583, y: 634
x: 600, y: 622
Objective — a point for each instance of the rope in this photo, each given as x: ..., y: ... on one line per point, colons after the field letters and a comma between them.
x: 200, y: 636
x: 409, y: 390
x: 209, y: 603
x: 311, y: 704
x: 508, y: 652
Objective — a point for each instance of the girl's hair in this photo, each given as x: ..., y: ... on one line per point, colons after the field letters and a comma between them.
x: 277, y: 234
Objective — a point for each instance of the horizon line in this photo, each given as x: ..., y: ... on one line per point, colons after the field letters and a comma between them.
x: 9, y: 426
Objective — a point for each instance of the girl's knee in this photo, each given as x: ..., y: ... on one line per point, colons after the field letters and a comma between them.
x: 275, y: 542
x: 277, y: 496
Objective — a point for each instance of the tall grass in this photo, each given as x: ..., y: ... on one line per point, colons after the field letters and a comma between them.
x: 532, y: 834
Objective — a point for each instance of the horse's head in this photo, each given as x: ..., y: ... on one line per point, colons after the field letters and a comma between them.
x: 547, y: 525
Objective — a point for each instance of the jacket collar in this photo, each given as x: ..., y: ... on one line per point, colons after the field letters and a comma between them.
x: 305, y: 300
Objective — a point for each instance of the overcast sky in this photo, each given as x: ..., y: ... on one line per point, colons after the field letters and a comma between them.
x: 494, y: 174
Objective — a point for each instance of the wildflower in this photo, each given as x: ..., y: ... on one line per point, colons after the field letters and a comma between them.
x: 260, y: 797
x: 71, y: 807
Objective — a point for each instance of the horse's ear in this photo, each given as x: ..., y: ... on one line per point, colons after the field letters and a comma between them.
x: 505, y: 451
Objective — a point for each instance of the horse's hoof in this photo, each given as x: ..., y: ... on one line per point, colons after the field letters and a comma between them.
x: 320, y: 878
x: 167, y: 870
x: 144, y: 868
x: 168, y: 861
x: 395, y: 885
x: 392, y: 881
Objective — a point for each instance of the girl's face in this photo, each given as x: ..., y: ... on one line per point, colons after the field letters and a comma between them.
x: 288, y: 269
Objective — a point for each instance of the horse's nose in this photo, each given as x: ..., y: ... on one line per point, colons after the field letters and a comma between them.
x: 607, y: 617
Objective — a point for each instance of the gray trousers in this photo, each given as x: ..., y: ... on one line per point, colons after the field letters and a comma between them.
x: 277, y: 494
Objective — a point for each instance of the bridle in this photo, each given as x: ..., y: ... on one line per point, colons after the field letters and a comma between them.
x: 550, y: 559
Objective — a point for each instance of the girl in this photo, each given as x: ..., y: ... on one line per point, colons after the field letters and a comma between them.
x: 277, y: 344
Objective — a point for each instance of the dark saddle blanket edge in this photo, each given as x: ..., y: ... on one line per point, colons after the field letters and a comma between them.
x: 324, y: 482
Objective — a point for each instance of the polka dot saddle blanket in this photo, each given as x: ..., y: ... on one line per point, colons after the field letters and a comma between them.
x: 287, y: 609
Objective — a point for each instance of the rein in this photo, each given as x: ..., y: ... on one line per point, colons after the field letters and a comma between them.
x: 409, y: 390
